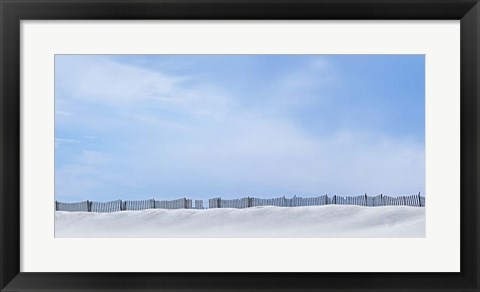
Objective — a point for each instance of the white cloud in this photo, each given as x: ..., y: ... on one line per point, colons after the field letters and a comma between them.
x: 102, y: 81
x: 276, y: 155
x: 318, y: 73
x: 251, y: 154
x: 63, y: 141
x: 215, y: 142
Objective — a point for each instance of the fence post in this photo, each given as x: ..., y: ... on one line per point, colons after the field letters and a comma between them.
x: 56, y: 205
x: 419, y: 200
x: 366, y: 204
x: 334, y: 199
x: 404, y: 202
x: 89, y: 206
x: 326, y: 199
x: 381, y: 200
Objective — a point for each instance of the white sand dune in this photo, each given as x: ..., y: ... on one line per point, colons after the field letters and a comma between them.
x: 315, y: 221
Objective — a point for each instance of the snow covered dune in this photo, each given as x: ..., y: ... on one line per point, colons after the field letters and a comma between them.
x: 314, y: 221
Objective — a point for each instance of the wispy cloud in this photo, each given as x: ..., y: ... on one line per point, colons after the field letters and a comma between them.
x: 63, y: 141
x: 101, y: 81
x: 147, y: 131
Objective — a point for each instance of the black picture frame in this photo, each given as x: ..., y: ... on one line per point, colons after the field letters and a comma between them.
x: 13, y: 11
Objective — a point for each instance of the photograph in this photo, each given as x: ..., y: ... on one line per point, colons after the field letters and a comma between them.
x: 239, y: 146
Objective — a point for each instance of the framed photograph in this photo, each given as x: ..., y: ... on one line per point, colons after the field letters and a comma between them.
x: 238, y: 145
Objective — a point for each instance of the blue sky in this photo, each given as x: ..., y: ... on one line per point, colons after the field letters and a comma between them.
x: 201, y: 126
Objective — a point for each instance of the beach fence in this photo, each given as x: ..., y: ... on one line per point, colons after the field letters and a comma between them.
x: 119, y: 205
x: 183, y: 203
x: 363, y: 200
x: 83, y: 206
x: 106, y: 207
x: 246, y: 202
x: 198, y: 204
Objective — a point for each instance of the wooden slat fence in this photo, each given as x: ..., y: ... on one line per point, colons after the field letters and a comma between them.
x: 246, y: 202
x: 183, y: 203
x: 236, y: 203
x: 363, y: 200
x: 139, y: 205
x: 214, y: 203
x: 119, y: 205
x: 106, y: 207
x: 315, y: 201
x: 73, y: 207
x: 279, y: 202
x: 198, y: 204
